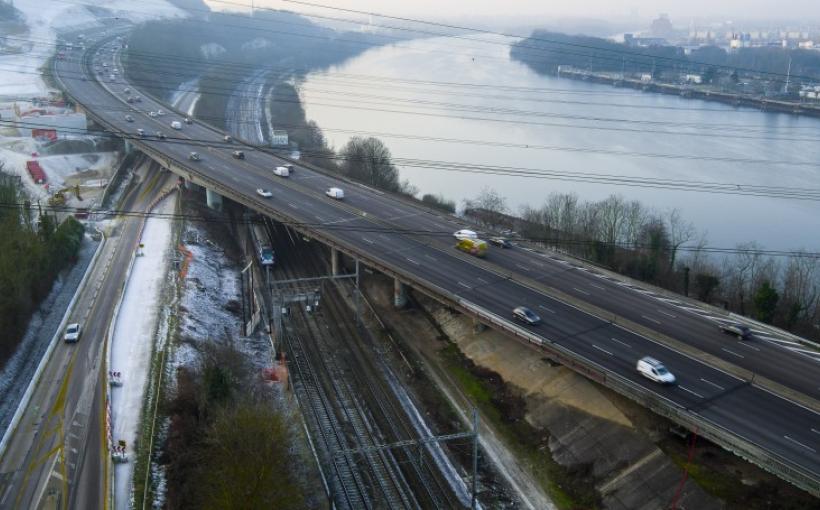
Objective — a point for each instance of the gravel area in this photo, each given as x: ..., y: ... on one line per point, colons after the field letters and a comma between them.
x: 16, y: 374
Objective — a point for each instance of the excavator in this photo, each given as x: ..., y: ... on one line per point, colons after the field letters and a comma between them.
x: 59, y: 198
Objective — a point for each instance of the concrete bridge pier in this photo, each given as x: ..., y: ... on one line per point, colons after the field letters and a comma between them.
x: 213, y: 199
x: 399, y: 294
x: 334, y: 261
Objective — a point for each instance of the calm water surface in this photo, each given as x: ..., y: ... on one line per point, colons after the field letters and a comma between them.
x: 575, y: 127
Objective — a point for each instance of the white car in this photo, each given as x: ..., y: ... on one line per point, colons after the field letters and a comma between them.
x: 336, y: 193
x: 72, y: 333
x: 262, y: 192
x: 152, y: 114
x: 465, y: 234
x: 160, y: 113
x: 176, y: 125
x: 654, y: 370
x: 281, y: 171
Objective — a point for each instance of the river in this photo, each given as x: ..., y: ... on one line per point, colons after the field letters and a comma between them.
x: 449, y: 100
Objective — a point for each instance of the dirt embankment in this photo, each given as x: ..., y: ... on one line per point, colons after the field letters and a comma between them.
x: 596, y: 448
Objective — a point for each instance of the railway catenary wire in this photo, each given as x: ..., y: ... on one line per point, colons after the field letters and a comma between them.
x: 383, y: 474
x: 431, y: 485
x: 387, y: 474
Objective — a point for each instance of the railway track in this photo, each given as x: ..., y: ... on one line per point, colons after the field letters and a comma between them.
x: 349, y: 405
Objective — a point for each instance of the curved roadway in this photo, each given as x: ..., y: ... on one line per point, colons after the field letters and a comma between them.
x: 390, y: 232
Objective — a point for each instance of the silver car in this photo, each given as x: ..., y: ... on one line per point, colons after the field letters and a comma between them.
x: 525, y: 315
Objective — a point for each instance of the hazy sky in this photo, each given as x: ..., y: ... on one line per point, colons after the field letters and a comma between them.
x: 681, y: 11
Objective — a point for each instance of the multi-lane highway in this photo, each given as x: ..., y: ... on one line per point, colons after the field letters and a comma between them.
x: 406, y: 240
x: 56, y: 454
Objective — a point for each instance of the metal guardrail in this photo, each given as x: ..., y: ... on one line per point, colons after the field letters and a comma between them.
x: 744, y: 448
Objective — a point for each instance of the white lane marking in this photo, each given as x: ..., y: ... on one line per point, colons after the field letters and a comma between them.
x: 651, y: 319
x: 602, y: 349
x: 412, y: 261
x: 718, y: 386
x: 545, y: 308
x: 524, y: 268
x: 581, y: 291
x: 464, y: 285
x: 748, y: 346
x: 318, y: 218
x: 684, y: 388
x: 732, y: 352
x: 597, y: 286
x: 430, y: 257
x: 293, y: 205
x: 539, y: 264
x: 367, y: 240
x: 815, y: 430
x: 482, y: 280
x: 666, y: 313
x: 622, y: 343
x: 795, y: 441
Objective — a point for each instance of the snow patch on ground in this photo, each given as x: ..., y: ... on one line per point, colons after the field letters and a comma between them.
x: 212, y: 50
x: 19, y: 74
x: 133, y: 340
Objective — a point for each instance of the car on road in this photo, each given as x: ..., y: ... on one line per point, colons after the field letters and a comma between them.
x: 465, y: 234
x: 176, y: 125
x: 336, y: 193
x: 127, y: 90
x: 160, y: 113
x: 141, y: 132
x: 227, y: 139
x: 739, y: 330
x: 194, y: 156
x: 281, y: 171
x: 500, y: 241
x: 655, y: 370
x: 129, y: 118
x: 525, y: 315
x: 152, y: 114
x: 238, y: 154
x: 72, y: 333
x: 188, y: 120
x: 262, y: 192
x: 138, y: 99
x: 160, y: 135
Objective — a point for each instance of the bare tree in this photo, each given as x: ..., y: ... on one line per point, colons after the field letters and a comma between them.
x: 680, y: 232
x: 800, y: 288
x: 368, y: 160
x: 488, y: 207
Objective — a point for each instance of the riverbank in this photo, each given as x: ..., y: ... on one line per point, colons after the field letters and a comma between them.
x: 691, y: 91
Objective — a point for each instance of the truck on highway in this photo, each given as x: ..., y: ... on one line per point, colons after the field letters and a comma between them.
x: 475, y: 247
x: 281, y: 171
x: 176, y: 124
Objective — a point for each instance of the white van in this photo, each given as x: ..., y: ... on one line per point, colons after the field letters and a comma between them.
x: 281, y: 171
x: 176, y: 124
x: 465, y: 234
x: 654, y: 370
x: 336, y: 193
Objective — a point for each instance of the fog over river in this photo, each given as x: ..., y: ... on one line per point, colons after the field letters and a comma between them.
x: 448, y: 100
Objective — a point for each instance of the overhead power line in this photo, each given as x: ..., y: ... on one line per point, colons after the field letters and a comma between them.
x: 805, y: 194
x: 339, y: 227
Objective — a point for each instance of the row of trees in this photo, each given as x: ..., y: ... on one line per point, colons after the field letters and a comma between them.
x: 664, y: 249
x: 227, y: 448
x: 33, y: 250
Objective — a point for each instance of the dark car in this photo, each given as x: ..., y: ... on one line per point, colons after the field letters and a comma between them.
x: 238, y: 154
x: 501, y: 242
x: 525, y: 315
x: 739, y: 330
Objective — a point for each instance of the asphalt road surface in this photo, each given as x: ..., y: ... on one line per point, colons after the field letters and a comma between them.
x: 414, y: 241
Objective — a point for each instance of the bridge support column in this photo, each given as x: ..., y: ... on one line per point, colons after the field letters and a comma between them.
x: 213, y: 199
x: 334, y: 261
x: 399, y: 294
